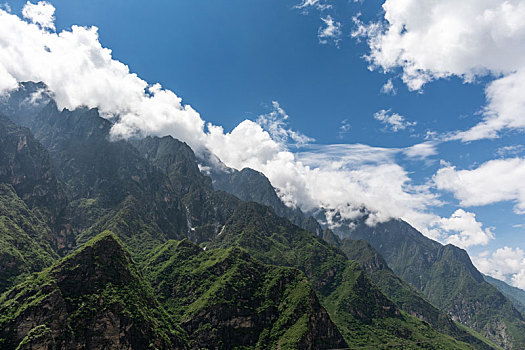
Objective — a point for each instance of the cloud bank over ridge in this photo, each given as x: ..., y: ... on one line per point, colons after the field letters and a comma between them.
x: 81, y: 72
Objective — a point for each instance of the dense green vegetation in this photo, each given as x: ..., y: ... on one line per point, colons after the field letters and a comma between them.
x: 225, y: 297
x: 211, y: 270
x: 94, y: 296
x: 23, y: 240
x: 401, y: 293
x: 359, y: 309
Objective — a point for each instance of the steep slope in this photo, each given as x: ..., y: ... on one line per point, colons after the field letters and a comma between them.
x: 515, y: 295
x: 151, y: 191
x: 447, y: 277
x: 252, y: 186
x: 24, y: 238
x: 225, y: 299
x: 401, y: 293
x: 207, y: 210
x: 23, y: 103
x: 361, y: 312
x: 26, y: 165
x: 92, y: 299
x: 31, y: 201
x: 100, y: 176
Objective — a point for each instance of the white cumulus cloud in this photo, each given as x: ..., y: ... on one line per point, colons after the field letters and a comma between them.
x: 393, y: 121
x: 81, y: 72
x: 507, y: 264
x: 42, y: 13
x: 494, y: 181
x: 463, y: 230
x: 430, y: 40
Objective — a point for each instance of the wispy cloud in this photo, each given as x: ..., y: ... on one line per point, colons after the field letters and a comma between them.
x: 331, y: 32
x: 512, y: 150
x: 275, y: 123
x: 344, y: 128
x: 320, y: 5
x: 388, y: 88
x: 6, y: 6
x: 392, y: 121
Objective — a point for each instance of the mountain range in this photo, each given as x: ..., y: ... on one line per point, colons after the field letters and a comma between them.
x: 127, y: 244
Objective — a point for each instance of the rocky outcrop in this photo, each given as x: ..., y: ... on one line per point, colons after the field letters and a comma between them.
x: 25, y: 164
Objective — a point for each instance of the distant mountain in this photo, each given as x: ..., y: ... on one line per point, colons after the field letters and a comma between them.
x: 404, y: 295
x: 447, y: 277
x: 206, y: 210
x: 350, y: 298
x: 252, y: 186
x: 515, y: 295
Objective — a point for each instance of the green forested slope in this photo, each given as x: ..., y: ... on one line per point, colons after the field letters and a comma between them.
x: 94, y: 298
x: 225, y: 297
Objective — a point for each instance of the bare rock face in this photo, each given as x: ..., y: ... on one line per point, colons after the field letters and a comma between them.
x: 26, y: 166
x: 93, y: 299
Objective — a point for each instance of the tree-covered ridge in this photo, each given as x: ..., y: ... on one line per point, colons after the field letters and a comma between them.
x: 226, y: 298
x: 403, y: 294
x: 94, y: 298
x: 359, y: 309
x: 515, y: 295
x: 251, y: 185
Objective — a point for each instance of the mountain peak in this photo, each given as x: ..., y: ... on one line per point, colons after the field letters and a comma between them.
x: 94, y: 296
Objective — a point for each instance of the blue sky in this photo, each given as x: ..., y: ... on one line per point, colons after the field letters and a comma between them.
x: 230, y: 60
